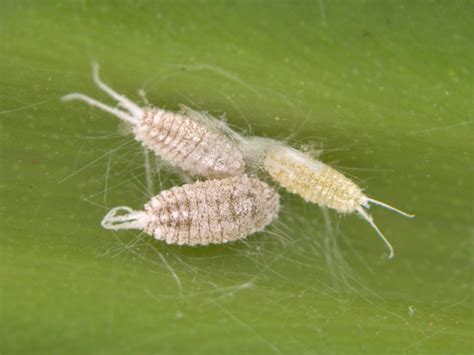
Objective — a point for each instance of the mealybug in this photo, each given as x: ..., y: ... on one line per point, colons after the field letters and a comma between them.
x: 313, y: 180
x: 201, y: 213
x: 185, y: 139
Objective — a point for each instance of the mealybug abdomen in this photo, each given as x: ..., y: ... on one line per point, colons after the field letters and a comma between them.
x: 201, y: 213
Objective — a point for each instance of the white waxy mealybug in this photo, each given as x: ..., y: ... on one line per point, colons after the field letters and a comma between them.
x: 185, y: 139
x: 201, y: 213
x: 313, y: 180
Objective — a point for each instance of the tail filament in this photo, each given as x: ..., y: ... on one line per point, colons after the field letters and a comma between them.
x: 130, y: 220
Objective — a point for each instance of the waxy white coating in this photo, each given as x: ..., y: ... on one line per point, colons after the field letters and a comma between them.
x: 202, y: 213
x: 185, y: 139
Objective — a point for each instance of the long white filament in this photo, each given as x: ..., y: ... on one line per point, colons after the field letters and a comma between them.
x: 134, y: 109
x: 391, y: 208
x: 369, y: 219
x: 93, y: 102
x: 129, y: 219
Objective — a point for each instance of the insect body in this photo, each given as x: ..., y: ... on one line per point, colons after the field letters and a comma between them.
x: 201, y: 213
x: 184, y: 139
x: 315, y: 181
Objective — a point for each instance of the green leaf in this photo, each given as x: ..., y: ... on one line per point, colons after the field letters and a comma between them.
x: 384, y: 88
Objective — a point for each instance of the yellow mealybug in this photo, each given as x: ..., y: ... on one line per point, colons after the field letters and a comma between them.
x: 313, y: 180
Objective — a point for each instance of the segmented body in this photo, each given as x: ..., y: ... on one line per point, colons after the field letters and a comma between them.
x: 316, y: 182
x: 312, y: 180
x: 192, y: 141
x: 189, y: 144
x: 211, y: 212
